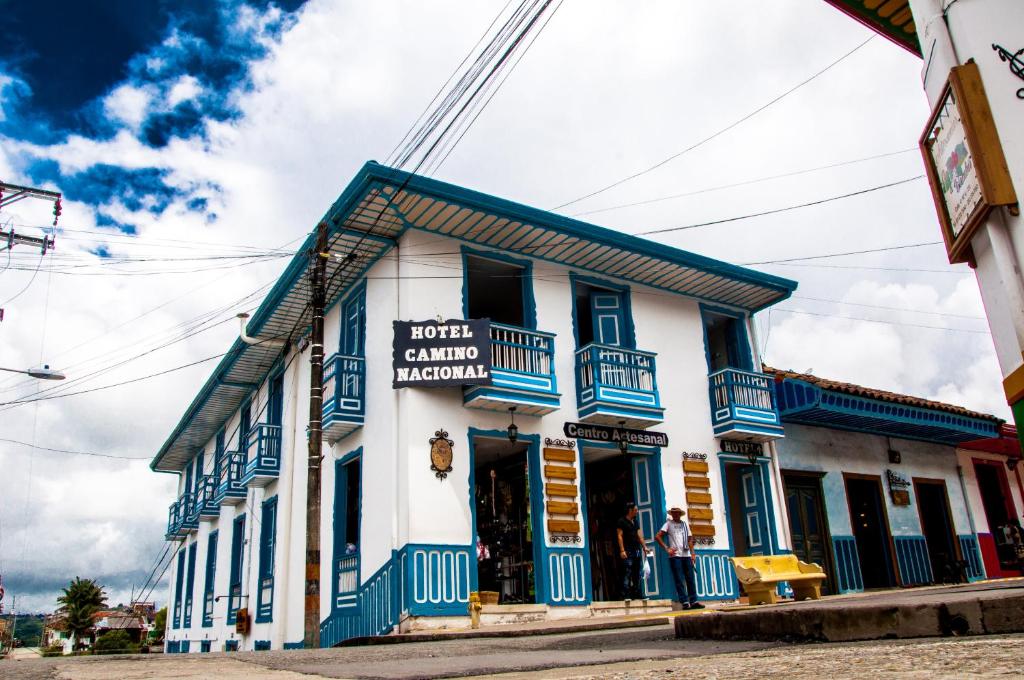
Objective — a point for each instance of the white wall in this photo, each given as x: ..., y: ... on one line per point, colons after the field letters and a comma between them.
x: 834, y: 452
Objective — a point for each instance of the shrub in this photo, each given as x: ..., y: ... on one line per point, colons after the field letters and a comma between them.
x: 115, y: 642
x: 53, y: 650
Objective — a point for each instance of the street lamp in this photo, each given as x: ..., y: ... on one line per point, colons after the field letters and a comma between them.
x: 41, y: 373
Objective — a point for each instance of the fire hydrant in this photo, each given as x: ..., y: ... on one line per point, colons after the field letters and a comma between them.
x: 474, y: 609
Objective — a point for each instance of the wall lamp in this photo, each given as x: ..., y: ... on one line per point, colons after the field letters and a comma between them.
x: 623, y: 444
x: 513, y: 431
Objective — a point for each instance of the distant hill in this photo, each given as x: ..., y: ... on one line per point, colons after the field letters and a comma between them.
x: 29, y: 628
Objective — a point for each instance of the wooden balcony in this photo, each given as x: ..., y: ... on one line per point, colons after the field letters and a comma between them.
x: 744, y: 406
x: 522, y: 372
x: 615, y: 384
x: 206, y: 507
x: 344, y: 396
x: 264, y: 464
x: 231, y: 489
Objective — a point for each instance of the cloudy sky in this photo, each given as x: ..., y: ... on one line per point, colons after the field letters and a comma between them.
x: 196, y: 142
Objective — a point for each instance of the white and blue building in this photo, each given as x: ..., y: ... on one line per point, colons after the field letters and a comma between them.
x: 586, y: 325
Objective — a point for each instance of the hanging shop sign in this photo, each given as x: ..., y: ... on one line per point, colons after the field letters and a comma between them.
x: 615, y: 435
x: 743, y: 448
x: 898, y: 488
x: 442, y: 353
x: 964, y: 161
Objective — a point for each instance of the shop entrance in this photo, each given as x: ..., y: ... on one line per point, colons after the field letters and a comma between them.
x: 937, y: 526
x: 505, y: 526
x: 808, y: 526
x: 870, y: 530
x: 612, y: 480
x: 999, y: 511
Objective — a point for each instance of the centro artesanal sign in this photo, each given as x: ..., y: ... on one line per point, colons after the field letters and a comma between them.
x: 442, y: 353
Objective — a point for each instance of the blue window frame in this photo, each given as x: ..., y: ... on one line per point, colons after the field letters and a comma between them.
x: 275, y: 405
x: 179, y: 582
x: 208, y: 584
x: 204, y: 646
x: 347, y: 509
x: 190, y: 582
x: 188, y: 479
x: 237, y: 556
x: 726, y: 344
x: 353, y: 324
x: 498, y: 287
x: 268, y: 539
x: 601, y: 313
x: 218, y: 455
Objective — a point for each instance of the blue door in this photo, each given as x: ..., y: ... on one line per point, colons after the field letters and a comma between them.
x: 651, y: 515
x: 608, y: 311
x: 755, y: 515
x: 353, y: 325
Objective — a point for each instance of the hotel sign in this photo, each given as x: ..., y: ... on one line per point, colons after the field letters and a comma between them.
x: 442, y: 354
x: 964, y: 161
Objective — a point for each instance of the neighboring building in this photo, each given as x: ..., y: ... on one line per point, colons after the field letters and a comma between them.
x: 980, y: 211
x: 995, y: 489
x: 874, y: 484
x: 586, y: 325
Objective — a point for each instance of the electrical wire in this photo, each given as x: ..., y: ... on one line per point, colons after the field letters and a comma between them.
x: 73, y: 452
x: 748, y: 182
x: 850, y: 252
x: 715, y: 134
x: 779, y: 210
x: 888, y: 323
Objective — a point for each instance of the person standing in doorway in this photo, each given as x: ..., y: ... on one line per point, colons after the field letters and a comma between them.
x: 631, y: 550
x: 681, y: 557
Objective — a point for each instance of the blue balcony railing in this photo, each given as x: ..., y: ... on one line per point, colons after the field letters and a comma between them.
x: 744, y: 405
x: 614, y: 384
x: 522, y: 372
x: 344, y: 395
x: 206, y: 506
x: 264, y: 465
x: 182, y: 517
x: 231, y: 489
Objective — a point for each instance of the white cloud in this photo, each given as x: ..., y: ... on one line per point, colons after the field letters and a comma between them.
x: 187, y: 87
x: 129, y: 104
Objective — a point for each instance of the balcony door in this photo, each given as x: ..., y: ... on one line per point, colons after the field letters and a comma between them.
x: 499, y: 290
x: 726, y: 342
x: 602, y: 316
x: 275, y: 406
x: 353, y: 325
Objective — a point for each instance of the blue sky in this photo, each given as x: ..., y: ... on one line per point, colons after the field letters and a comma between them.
x: 62, y: 66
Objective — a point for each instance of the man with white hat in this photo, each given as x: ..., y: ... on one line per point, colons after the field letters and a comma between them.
x: 681, y: 557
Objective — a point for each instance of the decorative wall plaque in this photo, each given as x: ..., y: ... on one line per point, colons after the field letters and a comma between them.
x: 441, y: 454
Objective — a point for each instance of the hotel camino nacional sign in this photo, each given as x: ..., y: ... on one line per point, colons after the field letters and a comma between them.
x: 442, y: 354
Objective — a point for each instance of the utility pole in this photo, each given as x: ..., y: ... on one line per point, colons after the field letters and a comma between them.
x: 12, y: 193
x: 317, y: 284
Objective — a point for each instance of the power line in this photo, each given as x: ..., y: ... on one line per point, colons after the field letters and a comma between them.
x: 879, y: 269
x: 892, y: 309
x: 888, y: 323
x: 716, y: 134
x: 744, y: 183
x: 72, y: 452
x: 851, y: 252
x: 779, y: 210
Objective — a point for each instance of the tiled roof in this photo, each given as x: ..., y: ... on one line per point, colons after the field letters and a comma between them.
x: 881, y: 395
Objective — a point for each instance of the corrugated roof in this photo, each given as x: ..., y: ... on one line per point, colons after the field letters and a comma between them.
x: 377, y: 206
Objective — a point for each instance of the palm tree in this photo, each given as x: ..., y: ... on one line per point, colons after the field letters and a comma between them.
x: 80, y: 601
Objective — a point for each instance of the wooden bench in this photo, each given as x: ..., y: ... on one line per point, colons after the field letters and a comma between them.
x: 760, y: 575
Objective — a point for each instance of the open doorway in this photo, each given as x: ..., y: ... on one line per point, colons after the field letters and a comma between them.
x: 504, y: 521
x: 937, y: 526
x: 870, y: 530
x: 609, y: 480
x: 999, y: 511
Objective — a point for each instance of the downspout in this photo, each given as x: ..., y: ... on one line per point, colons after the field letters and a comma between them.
x: 396, y: 453
x: 269, y: 342
x: 970, y: 515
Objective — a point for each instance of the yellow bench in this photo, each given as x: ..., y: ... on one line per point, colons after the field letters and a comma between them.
x: 761, y: 574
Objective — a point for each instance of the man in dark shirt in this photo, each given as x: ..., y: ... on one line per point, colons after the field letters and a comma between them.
x: 631, y: 550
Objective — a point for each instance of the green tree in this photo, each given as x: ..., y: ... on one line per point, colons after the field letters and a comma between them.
x: 80, y: 601
x: 160, y: 624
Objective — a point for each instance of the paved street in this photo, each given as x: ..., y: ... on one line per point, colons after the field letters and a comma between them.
x: 632, y: 653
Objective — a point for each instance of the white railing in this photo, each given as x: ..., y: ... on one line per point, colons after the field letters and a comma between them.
x: 521, y: 350
x: 626, y: 369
